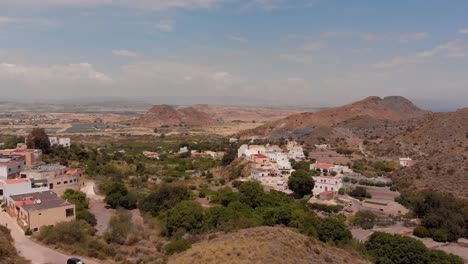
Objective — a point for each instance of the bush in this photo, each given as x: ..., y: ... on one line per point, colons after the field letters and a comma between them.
x: 163, y: 198
x: 421, y: 231
x: 117, y: 195
x: 365, y: 219
x: 186, y: 216
x: 440, y: 235
x: 120, y: 227
x: 333, y: 230
x: 341, y: 191
x: 177, y: 246
x: 360, y: 192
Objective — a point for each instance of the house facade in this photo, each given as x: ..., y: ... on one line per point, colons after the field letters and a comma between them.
x: 10, y: 167
x: 32, y: 157
x: 327, y: 183
x: 14, y: 187
x: 59, y: 178
x: 34, y: 210
x: 57, y: 141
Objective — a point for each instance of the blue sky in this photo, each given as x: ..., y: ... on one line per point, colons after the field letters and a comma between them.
x: 309, y: 52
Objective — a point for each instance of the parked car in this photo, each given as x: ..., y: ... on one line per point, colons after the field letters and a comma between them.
x: 74, y: 261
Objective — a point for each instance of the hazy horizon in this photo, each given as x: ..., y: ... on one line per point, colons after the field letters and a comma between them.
x: 306, y: 52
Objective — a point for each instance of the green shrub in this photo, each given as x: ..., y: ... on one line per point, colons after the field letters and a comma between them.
x: 440, y: 235
x: 421, y: 231
x: 177, y: 246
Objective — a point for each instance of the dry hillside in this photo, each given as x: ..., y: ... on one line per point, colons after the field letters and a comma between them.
x: 440, y: 143
x: 392, y: 108
x: 264, y: 245
x: 161, y: 115
x: 202, y: 115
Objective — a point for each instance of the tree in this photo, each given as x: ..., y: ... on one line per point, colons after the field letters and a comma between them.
x: 360, y: 192
x: 38, y: 139
x: 163, y: 198
x: 252, y: 194
x: 302, y: 165
x: 186, y: 216
x: 365, y: 219
x: 301, y: 183
x: 333, y: 230
x: 117, y: 195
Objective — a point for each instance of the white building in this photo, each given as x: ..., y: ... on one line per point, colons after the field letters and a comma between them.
x: 258, y: 174
x: 326, y: 167
x: 23, y: 186
x: 11, y: 167
x: 183, y: 150
x: 64, y: 142
x: 327, y: 183
x: 406, y: 162
x: 233, y: 140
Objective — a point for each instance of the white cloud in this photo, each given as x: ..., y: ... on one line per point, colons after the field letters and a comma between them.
x: 407, y: 37
x: 463, y: 31
x: 165, y: 25
x: 266, y: 4
x: 124, y: 53
x: 370, y: 36
x: 53, y: 73
x: 313, y: 46
x: 155, y: 5
x: 451, y: 49
x: 237, y: 38
x: 12, y: 20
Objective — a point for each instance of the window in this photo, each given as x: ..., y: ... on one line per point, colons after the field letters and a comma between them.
x: 35, y: 229
x: 65, y: 182
x: 69, y: 212
x: 58, y: 183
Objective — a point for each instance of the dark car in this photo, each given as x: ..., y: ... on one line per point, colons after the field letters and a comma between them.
x: 74, y: 261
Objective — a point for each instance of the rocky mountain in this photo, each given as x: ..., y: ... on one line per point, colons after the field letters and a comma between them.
x: 370, y: 112
x: 264, y: 245
x: 201, y: 115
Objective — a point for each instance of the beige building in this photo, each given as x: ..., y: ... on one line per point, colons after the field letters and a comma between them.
x: 34, y: 210
x: 60, y: 178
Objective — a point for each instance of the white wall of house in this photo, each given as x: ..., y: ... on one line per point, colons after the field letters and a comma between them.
x: 20, y: 188
x: 323, y: 184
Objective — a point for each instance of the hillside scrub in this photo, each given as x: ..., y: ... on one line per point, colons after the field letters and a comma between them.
x: 396, y: 249
x: 75, y: 236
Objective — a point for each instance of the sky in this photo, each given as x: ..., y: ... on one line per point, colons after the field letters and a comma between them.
x: 305, y: 52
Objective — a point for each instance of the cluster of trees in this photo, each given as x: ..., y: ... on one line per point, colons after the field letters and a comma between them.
x: 249, y: 207
x: 368, y: 182
x: 301, y: 182
x: 117, y: 195
x: 373, y: 168
x: 81, y: 205
x: 443, y: 217
x: 360, y: 193
x: 364, y: 219
x: 395, y: 249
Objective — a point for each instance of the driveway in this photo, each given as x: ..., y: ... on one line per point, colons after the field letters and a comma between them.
x: 38, y: 254
x: 97, y: 206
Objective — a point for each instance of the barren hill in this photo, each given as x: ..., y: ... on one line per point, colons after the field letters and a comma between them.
x: 201, y: 115
x: 264, y: 245
x: 161, y: 115
x: 372, y: 109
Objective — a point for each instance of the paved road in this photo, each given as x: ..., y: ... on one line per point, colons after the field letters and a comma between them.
x: 27, y: 248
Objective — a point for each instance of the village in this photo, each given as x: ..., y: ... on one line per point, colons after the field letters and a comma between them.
x: 31, y: 190
x: 272, y: 166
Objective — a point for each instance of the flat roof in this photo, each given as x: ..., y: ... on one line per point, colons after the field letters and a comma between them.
x: 46, y: 168
x: 40, y: 200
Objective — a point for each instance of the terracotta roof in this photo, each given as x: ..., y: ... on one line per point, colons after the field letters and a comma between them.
x: 260, y: 156
x: 1, y: 184
x: 16, y: 181
x: 324, y: 166
x: 327, y: 192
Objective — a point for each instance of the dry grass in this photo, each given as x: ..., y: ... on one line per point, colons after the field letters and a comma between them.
x: 263, y: 245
